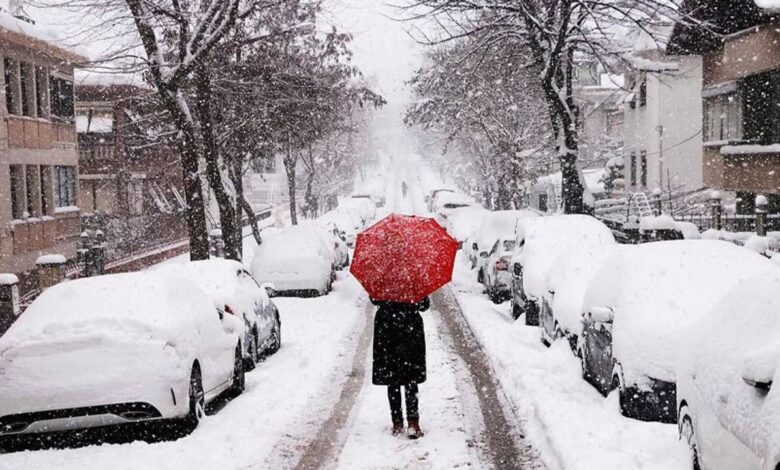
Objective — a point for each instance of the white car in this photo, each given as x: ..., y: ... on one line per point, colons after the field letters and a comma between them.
x: 540, y: 242
x: 113, y: 350
x: 430, y: 199
x: 495, y: 226
x: 347, y: 223
x: 297, y: 260
x: 361, y: 208
x: 638, y: 311
x: 729, y: 405
x: 232, y: 288
x: 464, y: 223
x: 448, y: 204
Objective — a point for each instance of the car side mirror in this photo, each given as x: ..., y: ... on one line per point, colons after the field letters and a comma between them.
x: 759, y: 369
x: 601, y: 315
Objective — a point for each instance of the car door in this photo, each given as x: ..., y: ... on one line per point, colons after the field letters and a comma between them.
x: 262, y: 309
x: 598, y: 354
x: 217, y: 349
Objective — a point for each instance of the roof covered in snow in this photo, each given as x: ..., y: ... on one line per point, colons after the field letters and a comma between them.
x: 29, y: 34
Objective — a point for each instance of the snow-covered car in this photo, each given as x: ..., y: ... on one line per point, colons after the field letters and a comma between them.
x: 430, y: 198
x: 296, y: 261
x: 113, y: 350
x: 464, y: 222
x: 495, y: 226
x: 638, y: 311
x: 340, y: 245
x: 362, y: 208
x: 560, y: 315
x: 231, y: 287
x: 729, y: 405
x: 540, y: 242
x: 448, y: 204
x: 346, y: 222
x: 496, y: 276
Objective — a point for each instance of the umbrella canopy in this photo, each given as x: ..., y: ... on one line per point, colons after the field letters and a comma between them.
x: 403, y: 258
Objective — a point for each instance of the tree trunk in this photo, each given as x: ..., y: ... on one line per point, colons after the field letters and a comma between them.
x: 252, y: 219
x: 231, y: 232
x: 290, y: 163
x: 193, y: 194
x: 235, y: 174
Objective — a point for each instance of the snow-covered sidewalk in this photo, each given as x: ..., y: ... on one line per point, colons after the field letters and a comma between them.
x: 571, y: 425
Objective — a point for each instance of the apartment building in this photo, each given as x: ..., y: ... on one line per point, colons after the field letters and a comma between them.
x: 39, y: 210
x: 740, y: 53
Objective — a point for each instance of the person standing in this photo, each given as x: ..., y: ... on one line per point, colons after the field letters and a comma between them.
x: 399, y: 359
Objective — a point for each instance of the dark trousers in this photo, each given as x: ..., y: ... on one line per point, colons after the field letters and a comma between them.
x: 394, y: 395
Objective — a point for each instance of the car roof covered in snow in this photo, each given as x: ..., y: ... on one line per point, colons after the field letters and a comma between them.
x: 569, y: 277
x: 298, y: 241
x: 498, y: 225
x: 657, y: 290
x: 463, y: 223
x: 222, y: 280
x: 453, y: 198
x: 150, y: 304
x: 542, y: 240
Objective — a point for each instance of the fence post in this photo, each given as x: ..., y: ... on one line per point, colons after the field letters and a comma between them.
x: 9, y: 301
x: 761, y: 206
x: 717, y: 210
x: 51, y: 270
x: 98, y: 253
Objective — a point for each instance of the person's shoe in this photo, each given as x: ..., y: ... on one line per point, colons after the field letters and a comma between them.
x: 414, y: 431
x: 398, y: 429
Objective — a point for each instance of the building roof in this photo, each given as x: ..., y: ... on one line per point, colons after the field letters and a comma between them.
x: 27, y: 34
x: 709, y: 21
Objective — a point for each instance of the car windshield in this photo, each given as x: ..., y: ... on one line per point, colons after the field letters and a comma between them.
x: 453, y: 205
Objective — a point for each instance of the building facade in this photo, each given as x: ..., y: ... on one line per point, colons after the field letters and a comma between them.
x: 740, y: 53
x: 39, y: 211
x: 663, y: 124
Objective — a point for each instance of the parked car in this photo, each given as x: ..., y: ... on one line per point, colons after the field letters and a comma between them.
x: 461, y: 224
x: 495, y: 226
x: 346, y: 222
x: 377, y: 201
x: 114, y: 350
x: 340, y: 245
x: 296, y: 261
x: 232, y: 288
x: 560, y: 315
x: 362, y: 208
x: 638, y: 311
x: 540, y: 242
x: 729, y: 405
x: 448, y: 204
x: 430, y: 198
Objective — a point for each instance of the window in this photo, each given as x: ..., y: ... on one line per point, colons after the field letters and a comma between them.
x: 543, y: 202
x: 643, y: 91
x: 31, y: 178
x: 45, y: 190
x: 61, y: 98
x: 27, y: 77
x: 17, y: 191
x: 40, y: 89
x: 64, y: 186
x: 10, y: 89
x: 723, y: 117
x: 643, y: 168
x: 632, y: 161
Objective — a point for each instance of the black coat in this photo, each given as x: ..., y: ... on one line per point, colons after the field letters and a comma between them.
x: 399, y: 343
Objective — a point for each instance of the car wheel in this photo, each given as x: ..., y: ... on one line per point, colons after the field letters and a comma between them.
x: 197, y: 402
x: 276, y: 338
x: 516, y: 311
x: 254, y: 353
x: 687, y: 433
x: 239, y: 374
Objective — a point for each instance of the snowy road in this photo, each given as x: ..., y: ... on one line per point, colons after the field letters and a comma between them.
x: 312, y: 405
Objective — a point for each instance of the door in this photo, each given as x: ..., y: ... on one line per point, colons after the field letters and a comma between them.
x: 598, y: 354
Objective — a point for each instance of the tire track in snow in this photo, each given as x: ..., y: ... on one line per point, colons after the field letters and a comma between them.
x: 321, y: 431
x: 503, y: 436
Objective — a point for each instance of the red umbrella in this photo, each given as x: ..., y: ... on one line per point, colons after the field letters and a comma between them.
x: 403, y: 258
